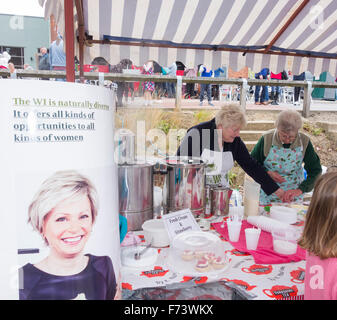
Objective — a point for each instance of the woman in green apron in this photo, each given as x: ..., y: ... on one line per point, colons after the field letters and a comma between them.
x: 282, y: 151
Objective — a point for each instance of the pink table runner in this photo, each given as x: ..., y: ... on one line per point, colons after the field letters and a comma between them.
x: 264, y: 253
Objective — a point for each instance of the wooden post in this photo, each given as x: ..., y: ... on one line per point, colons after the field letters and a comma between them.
x: 178, y: 93
x: 69, y: 41
x: 243, y: 94
x: 307, y: 99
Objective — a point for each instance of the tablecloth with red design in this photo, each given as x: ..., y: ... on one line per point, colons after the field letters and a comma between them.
x: 250, y: 280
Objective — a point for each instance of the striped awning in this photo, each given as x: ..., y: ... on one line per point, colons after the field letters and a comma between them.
x: 216, y: 33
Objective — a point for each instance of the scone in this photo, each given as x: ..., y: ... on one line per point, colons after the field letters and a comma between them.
x: 199, y: 254
x: 210, y: 257
x: 187, y: 255
x: 202, y: 265
x: 218, y: 263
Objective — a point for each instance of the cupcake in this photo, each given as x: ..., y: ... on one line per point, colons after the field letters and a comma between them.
x: 209, y: 256
x: 199, y: 254
x: 218, y: 263
x: 187, y: 255
x: 202, y: 265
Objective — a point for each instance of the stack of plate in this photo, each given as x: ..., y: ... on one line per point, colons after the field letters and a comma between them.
x: 284, y: 214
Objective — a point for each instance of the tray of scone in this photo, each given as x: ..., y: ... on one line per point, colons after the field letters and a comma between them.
x: 197, y: 252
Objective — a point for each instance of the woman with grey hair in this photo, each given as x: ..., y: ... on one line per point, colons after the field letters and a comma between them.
x: 63, y: 212
x: 282, y: 151
x: 221, y: 135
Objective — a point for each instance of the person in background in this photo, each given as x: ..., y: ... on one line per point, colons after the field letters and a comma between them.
x: 319, y: 239
x: 204, y: 72
x: 282, y: 151
x: 171, y: 86
x: 57, y: 57
x: 148, y: 86
x: 12, y: 70
x: 217, y: 73
x: 264, y: 97
x: 221, y: 136
x: 44, y: 63
x: 122, y: 86
x: 275, y: 90
x: 190, y: 87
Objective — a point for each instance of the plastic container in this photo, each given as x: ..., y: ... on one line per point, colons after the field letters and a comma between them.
x: 251, y: 197
x: 285, y: 241
x: 197, y: 252
x: 155, y: 232
x: 283, y: 214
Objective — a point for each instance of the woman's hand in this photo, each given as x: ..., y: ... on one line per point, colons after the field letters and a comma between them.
x: 276, y: 176
x: 280, y: 193
x: 289, y: 195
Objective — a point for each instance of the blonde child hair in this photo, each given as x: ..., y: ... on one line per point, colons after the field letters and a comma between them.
x: 319, y: 236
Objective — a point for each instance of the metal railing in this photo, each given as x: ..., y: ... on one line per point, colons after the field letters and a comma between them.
x: 179, y: 80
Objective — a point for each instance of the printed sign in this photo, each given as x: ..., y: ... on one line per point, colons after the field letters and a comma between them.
x: 59, y: 192
x: 180, y: 221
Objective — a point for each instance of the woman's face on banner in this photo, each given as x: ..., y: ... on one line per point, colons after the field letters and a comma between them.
x: 68, y: 226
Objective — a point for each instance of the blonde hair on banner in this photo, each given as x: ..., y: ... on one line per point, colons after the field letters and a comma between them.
x: 60, y: 186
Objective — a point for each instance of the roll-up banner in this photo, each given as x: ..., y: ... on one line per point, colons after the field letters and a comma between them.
x: 59, y: 192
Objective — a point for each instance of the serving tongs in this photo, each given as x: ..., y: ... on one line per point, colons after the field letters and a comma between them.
x: 139, y: 253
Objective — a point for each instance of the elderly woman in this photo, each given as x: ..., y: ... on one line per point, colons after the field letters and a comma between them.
x: 63, y: 212
x: 282, y: 151
x: 221, y: 137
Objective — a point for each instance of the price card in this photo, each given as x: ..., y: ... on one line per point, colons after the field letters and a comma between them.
x: 179, y: 221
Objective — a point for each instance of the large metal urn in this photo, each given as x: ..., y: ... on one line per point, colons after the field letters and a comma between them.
x: 135, y: 187
x: 135, y: 182
x: 184, y: 185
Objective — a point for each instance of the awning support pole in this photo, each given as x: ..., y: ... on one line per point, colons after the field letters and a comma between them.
x: 69, y: 39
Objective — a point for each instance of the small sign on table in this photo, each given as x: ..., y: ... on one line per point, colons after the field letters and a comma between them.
x: 179, y: 222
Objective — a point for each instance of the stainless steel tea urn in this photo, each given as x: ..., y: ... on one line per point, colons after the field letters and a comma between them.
x: 135, y: 187
x: 184, y: 185
x: 220, y: 197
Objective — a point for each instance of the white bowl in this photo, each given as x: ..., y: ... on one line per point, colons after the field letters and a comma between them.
x: 284, y: 214
x: 285, y: 241
x: 155, y: 232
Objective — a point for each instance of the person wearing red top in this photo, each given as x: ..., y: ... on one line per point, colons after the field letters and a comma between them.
x: 275, y: 90
x: 319, y: 238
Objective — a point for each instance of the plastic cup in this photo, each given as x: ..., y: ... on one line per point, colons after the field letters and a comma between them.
x: 236, y: 213
x: 234, y: 228
x: 252, y: 238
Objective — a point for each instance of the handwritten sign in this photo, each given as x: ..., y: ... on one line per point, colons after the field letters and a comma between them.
x: 179, y: 222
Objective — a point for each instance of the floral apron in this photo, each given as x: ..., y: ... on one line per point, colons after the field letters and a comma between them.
x: 288, y: 163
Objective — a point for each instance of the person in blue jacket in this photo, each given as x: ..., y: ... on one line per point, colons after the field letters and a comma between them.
x: 205, y: 86
x: 262, y: 98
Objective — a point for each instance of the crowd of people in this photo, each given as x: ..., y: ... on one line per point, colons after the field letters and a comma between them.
x: 54, y: 58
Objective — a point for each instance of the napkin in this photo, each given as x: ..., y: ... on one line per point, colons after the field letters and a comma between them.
x: 264, y: 253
